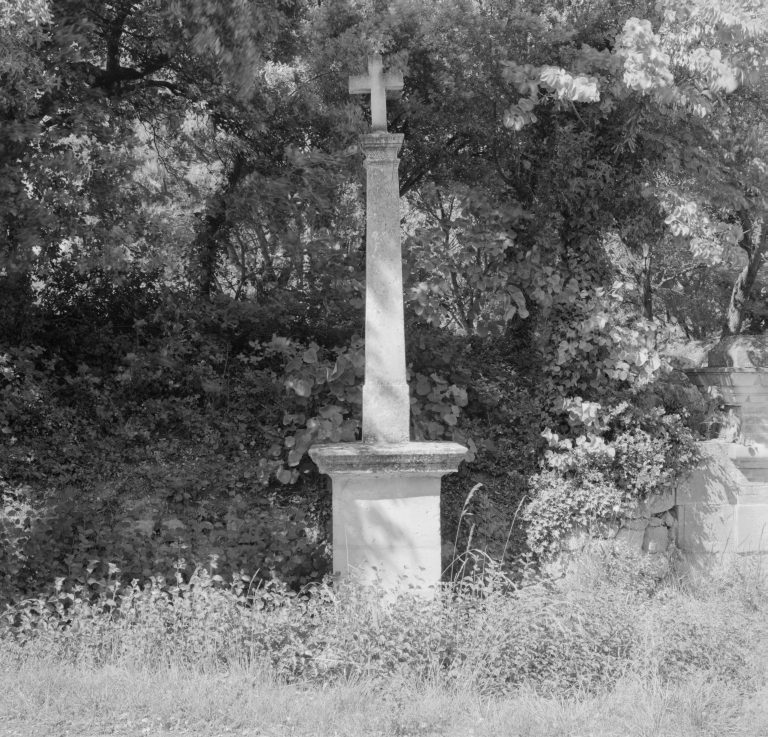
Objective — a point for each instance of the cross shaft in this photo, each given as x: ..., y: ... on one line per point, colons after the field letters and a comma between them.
x: 376, y: 84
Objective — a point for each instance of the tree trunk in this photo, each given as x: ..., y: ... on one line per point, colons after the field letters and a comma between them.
x: 208, y: 250
x: 755, y: 249
x: 646, y: 288
x: 641, y: 256
x: 216, y: 227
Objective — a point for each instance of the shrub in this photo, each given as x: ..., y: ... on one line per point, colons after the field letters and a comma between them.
x: 83, y: 543
x: 482, y: 632
x: 621, y: 456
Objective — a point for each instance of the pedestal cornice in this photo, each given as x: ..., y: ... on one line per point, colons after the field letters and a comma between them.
x: 431, y: 459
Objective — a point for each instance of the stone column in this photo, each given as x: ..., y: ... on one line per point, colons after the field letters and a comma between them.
x: 386, y: 405
x: 386, y: 490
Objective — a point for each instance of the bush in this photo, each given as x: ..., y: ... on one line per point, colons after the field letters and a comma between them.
x: 84, y: 544
x: 483, y: 632
x: 621, y: 456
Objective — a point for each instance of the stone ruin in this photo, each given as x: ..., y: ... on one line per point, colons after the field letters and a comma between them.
x: 719, y: 512
x: 722, y: 507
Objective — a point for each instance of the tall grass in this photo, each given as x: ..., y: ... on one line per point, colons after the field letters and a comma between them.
x: 596, y: 654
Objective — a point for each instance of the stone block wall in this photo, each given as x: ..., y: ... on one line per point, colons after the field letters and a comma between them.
x: 717, y: 514
x: 648, y: 532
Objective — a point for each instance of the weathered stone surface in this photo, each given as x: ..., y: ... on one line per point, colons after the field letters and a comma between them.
x: 654, y: 504
x: 658, y: 503
x: 605, y: 530
x: 754, y: 421
x: 631, y: 540
x: 751, y: 528
x: 731, y: 386
x: 754, y: 468
x: 386, y: 403
x: 723, y: 505
x: 655, y: 522
x: 669, y: 520
x: 387, y: 527
x: 636, y: 524
x: 434, y: 459
x: 740, y: 351
x: 716, y: 480
x: 706, y: 528
x: 641, y: 511
x: 656, y: 540
x: 386, y: 509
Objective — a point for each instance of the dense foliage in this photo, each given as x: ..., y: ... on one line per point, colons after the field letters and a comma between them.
x: 182, y: 249
x: 483, y: 634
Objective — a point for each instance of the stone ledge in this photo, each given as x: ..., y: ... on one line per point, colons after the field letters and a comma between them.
x: 434, y: 459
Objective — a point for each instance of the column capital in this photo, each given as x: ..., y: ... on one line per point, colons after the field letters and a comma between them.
x: 381, y: 146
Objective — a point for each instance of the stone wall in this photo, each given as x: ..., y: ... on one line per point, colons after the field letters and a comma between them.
x: 716, y: 515
x: 648, y: 533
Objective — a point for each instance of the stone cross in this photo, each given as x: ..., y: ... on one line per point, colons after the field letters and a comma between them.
x: 386, y: 490
x: 376, y: 84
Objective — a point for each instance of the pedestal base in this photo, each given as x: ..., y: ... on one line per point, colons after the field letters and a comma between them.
x: 722, y: 506
x: 386, y: 510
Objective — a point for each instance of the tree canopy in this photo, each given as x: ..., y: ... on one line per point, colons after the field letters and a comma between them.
x: 182, y: 231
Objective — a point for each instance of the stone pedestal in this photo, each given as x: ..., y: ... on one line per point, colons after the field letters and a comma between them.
x: 386, y: 510
x: 722, y: 507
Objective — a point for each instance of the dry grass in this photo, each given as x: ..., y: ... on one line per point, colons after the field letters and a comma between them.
x: 53, y: 699
x: 718, y: 632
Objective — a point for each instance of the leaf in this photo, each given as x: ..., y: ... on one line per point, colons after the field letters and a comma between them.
x: 423, y: 387
x: 302, y: 387
x: 294, y: 457
x: 284, y: 476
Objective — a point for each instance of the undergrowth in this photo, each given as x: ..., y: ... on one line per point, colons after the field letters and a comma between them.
x: 485, y: 632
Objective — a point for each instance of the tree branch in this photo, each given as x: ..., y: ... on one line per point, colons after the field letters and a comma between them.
x: 678, y: 274
x: 746, y: 243
x: 106, y: 78
x: 505, y: 177
x: 167, y: 85
x: 419, y: 172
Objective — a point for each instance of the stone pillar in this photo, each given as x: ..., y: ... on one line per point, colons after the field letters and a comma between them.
x: 386, y: 404
x: 386, y: 490
x: 722, y: 506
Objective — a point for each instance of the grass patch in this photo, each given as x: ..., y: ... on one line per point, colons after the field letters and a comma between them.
x: 589, y: 657
x: 43, y: 698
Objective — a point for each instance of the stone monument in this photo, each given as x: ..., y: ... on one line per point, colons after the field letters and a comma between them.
x: 722, y: 507
x: 386, y: 489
